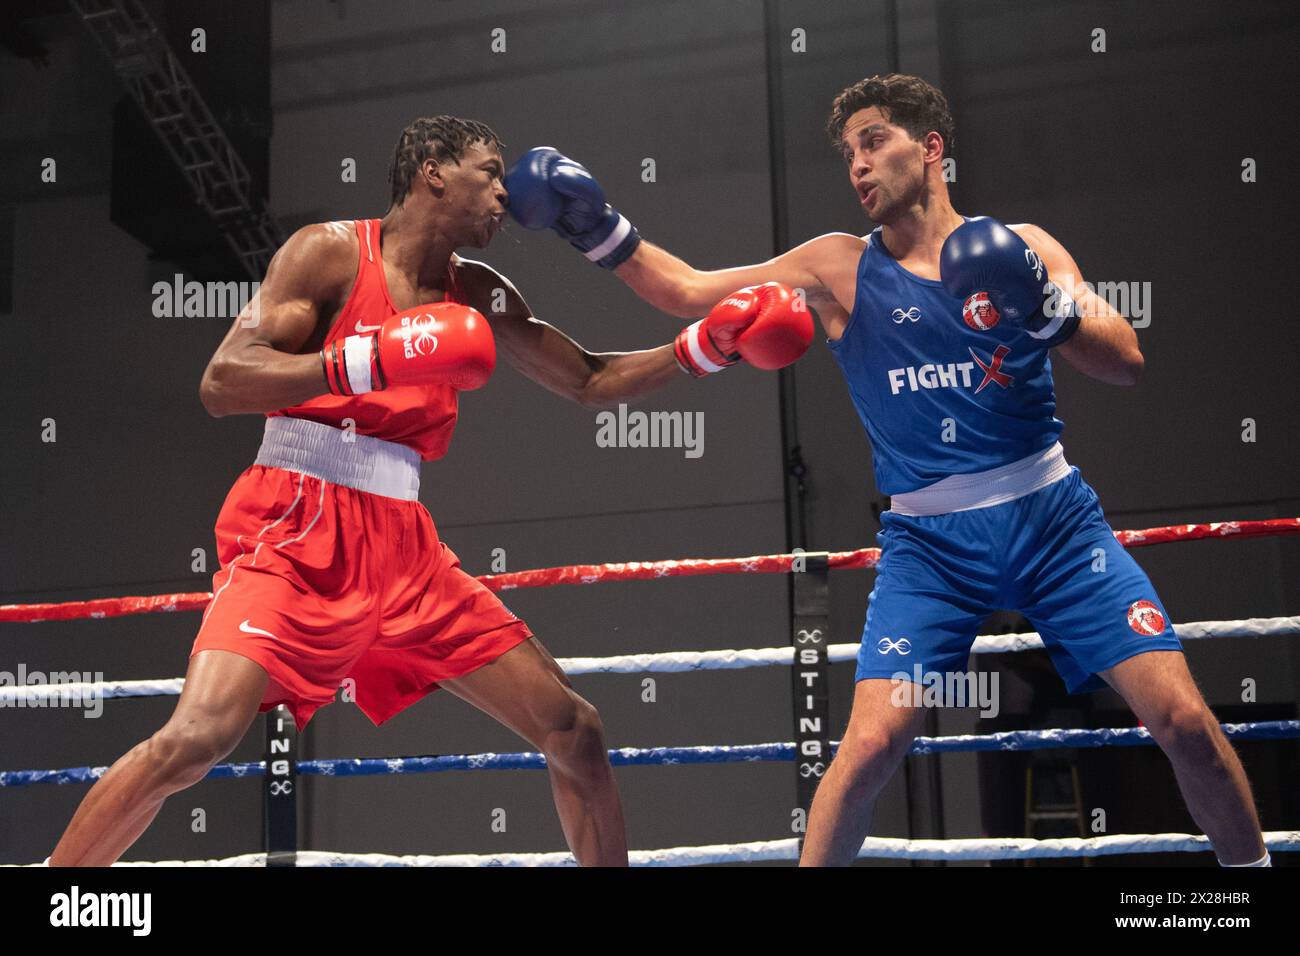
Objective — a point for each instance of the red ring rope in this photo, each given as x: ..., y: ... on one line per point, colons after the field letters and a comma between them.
x: 631, y: 571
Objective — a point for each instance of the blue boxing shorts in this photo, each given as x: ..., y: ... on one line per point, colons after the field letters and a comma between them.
x: 1049, y: 555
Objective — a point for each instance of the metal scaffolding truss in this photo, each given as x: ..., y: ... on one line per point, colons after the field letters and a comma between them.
x: 142, y: 59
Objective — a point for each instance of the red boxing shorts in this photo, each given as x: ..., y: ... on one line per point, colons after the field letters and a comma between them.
x: 321, y: 583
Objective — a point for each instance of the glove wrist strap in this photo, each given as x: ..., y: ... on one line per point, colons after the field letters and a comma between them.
x: 696, y: 352
x: 1061, y: 322
x: 616, y: 246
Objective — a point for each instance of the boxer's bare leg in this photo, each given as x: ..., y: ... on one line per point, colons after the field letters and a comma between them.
x: 1159, y: 688
x: 878, y: 737
x: 221, y: 696
x: 526, y: 690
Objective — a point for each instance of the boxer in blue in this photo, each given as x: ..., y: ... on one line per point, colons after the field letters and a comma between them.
x: 943, y: 326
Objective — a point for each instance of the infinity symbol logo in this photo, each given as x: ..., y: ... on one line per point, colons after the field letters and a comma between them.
x: 902, y: 645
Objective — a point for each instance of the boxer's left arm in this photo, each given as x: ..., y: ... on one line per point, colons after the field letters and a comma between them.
x: 550, y: 358
x: 1105, y: 346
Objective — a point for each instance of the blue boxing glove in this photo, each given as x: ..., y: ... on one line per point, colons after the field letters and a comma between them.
x: 550, y: 191
x: 997, y: 276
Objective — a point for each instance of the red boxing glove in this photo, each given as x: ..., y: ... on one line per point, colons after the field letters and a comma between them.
x: 440, y: 343
x: 781, y: 331
x: 764, y: 324
x: 709, y: 345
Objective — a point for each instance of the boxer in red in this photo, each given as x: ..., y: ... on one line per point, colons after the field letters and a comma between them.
x: 332, y: 572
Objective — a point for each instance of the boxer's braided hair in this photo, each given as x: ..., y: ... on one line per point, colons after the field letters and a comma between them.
x: 442, y: 138
x: 908, y: 101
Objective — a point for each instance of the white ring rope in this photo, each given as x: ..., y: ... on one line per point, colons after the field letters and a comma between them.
x: 673, y: 661
x: 881, y: 848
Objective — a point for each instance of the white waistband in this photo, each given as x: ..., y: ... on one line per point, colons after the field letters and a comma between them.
x: 983, y: 489
x: 341, y: 457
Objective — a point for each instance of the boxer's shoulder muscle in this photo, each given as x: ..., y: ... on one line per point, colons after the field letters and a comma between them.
x: 318, y: 261
x: 317, y: 265
x: 1060, y: 264
x: 1028, y: 232
x: 486, y: 289
x: 833, y: 259
x: 1035, y: 237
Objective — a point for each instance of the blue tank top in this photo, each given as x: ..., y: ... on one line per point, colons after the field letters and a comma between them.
x: 919, y: 375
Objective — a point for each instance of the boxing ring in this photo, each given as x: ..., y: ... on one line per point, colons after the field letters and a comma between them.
x: 809, y: 654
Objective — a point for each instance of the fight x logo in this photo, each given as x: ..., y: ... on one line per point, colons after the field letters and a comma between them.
x: 993, y: 370
x: 911, y: 315
x: 953, y: 374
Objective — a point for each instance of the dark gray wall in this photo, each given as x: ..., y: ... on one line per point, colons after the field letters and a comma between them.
x: 1131, y: 158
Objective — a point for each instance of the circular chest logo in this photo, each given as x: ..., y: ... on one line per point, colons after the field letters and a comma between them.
x: 979, y: 313
x: 1145, y: 618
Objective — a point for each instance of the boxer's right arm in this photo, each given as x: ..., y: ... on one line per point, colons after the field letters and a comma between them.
x: 256, y: 368
x: 674, y: 286
x: 550, y: 190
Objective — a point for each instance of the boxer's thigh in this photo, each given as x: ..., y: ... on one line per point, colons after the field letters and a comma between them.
x: 936, y: 582
x: 1088, y: 598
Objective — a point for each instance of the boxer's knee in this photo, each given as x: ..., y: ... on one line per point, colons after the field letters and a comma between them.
x: 575, y: 738
x: 868, y: 756
x: 1186, y: 730
x: 183, y: 751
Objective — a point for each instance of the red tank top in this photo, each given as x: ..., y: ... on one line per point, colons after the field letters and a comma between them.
x: 421, y: 417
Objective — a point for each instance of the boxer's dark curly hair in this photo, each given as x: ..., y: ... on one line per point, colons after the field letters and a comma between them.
x: 443, y: 138
x: 907, y: 101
